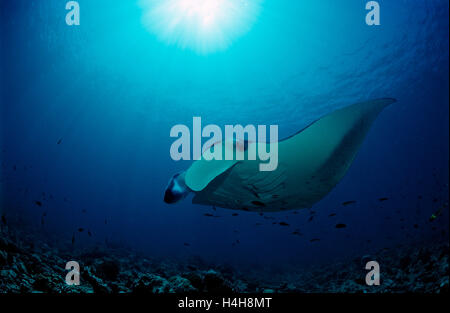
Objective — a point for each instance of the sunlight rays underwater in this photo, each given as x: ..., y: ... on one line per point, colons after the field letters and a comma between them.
x: 204, y: 26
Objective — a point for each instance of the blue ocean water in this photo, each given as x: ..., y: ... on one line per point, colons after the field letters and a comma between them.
x: 86, y: 113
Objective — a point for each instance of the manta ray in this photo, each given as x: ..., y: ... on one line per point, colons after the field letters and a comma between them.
x: 310, y: 164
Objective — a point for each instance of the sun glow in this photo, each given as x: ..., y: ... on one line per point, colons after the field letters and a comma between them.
x: 201, y: 25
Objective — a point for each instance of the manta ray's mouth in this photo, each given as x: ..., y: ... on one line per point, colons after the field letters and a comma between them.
x: 169, y: 197
x: 176, y: 189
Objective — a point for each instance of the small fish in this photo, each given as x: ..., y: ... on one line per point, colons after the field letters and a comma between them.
x: 73, y: 239
x: 297, y: 233
x: 314, y: 240
x: 283, y: 224
x: 234, y: 214
x: 44, y: 214
x: 14, y: 167
x: 186, y: 244
x: 106, y: 222
x: 38, y: 203
x: 237, y: 241
x: 340, y: 225
x: 208, y: 214
x: 83, y: 211
x: 311, y: 218
x: 312, y: 212
x: 348, y: 202
x: 258, y: 224
x: 294, y: 212
x: 383, y: 199
x: 214, y: 207
x: 42, y: 221
x: 416, y: 226
x: 436, y: 214
x: 261, y: 214
x: 332, y: 214
x: 89, y: 233
x: 3, y: 219
x: 258, y: 203
x: 80, y: 229
x: 59, y: 141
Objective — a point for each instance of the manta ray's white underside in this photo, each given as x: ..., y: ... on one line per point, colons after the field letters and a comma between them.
x: 310, y: 164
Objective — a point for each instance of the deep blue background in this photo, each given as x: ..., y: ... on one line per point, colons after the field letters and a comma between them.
x: 112, y: 92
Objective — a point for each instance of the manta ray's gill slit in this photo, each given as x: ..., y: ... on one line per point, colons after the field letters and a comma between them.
x: 268, y: 183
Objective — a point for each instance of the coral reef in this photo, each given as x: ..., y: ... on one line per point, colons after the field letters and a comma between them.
x: 28, y: 265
